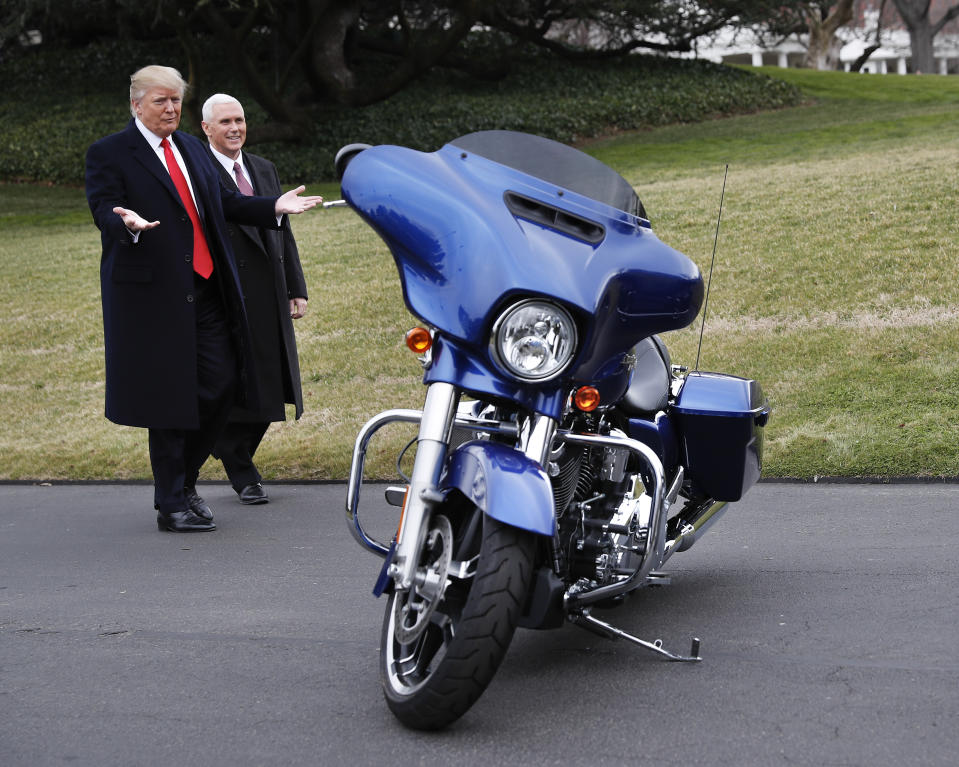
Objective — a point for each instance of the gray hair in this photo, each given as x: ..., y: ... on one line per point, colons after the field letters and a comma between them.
x: 217, y: 98
x: 154, y: 76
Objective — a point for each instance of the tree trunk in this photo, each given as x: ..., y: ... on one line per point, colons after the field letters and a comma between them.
x: 859, y: 63
x: 258, y: 85
x: 923, y: 31
x: 920, y: 41
x: 428, y: 49
x: 326, y: 69
x: 822, y: 51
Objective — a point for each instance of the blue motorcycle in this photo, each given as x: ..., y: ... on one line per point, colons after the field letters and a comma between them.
x: 561, y: 458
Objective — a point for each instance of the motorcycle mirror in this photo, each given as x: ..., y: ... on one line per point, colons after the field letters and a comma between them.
x: 345, y: 155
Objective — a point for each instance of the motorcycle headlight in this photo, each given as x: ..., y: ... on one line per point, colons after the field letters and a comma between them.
x: 534, y: 340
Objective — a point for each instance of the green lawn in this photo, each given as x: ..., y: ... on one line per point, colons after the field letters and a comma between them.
x: 834, y: 285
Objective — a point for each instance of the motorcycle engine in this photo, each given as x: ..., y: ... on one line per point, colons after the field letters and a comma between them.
x: 603, y: 520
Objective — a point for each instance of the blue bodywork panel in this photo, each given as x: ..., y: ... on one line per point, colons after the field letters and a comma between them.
x: 504, y: 483
x: 470, y: 236
x: 660, y: 435
x: 721, y: 421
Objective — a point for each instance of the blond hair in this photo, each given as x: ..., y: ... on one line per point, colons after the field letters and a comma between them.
x: 154, y: 76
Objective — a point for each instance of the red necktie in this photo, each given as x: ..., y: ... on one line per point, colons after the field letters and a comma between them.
x: 241, y: 183
x: 202, y: 262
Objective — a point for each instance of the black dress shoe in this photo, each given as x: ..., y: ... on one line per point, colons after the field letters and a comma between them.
x: 183, y: 522
x: 197, y: 505
x: 253, y: 494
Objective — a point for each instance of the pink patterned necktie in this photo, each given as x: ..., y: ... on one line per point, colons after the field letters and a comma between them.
x: 241, y: 183
x: 202, y: 262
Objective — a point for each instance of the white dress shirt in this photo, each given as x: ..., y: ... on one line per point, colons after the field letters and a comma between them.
x: 154, y: 141
x: 227, y: 162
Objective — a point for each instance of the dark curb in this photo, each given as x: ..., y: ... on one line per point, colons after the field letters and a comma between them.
x: 815, y: 480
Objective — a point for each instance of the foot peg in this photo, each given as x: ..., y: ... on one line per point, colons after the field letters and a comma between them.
x: 588, y: 622
x: 658, y: 579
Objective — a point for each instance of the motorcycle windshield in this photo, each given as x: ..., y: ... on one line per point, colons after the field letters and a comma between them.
x: 498, y: 216
x: 556, y: 163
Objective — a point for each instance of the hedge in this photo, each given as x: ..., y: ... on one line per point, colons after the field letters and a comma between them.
x: 56, y: 102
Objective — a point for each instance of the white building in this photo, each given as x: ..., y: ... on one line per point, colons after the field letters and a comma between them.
x: 893, y: 57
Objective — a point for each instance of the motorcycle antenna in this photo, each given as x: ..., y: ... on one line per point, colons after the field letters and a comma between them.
x: 709, y: 280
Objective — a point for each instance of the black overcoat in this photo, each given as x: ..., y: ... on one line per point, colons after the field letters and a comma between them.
x: 147, y: 287
x: 268, y: 263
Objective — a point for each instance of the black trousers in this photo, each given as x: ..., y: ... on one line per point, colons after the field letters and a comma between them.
x: 236, y: 446
x: 176, y: 455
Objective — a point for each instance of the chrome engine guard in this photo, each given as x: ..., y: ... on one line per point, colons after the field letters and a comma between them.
x: 363, y: 438
x: 577, y: 599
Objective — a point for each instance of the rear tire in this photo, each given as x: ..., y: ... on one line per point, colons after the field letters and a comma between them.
x: 433, y: 680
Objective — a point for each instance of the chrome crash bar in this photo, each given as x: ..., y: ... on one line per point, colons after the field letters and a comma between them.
x: 359, y: 459
x: 656, y: 543
x: 659, y: 546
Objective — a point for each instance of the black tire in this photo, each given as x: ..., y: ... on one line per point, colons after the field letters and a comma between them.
x: 434, y: 680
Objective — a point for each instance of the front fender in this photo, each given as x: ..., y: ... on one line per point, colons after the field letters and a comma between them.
x: 503, y: 483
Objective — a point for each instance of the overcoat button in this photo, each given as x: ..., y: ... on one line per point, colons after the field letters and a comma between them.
x: 189, y: 298
x: 188, y: 258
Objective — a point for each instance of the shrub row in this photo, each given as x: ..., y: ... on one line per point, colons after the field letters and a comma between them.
x: 56, y: 103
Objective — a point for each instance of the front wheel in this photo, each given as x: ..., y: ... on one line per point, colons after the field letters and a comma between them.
x: 432, y: 675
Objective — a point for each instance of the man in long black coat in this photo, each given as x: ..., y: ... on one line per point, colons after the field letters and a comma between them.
x: 175, y: 335
x: 274, y: 291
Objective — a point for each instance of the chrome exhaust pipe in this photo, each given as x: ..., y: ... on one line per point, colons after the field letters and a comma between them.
x: 687, y: 527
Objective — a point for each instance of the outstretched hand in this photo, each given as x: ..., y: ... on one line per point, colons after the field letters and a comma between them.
x: 291, y: 202
x: 133, y: 220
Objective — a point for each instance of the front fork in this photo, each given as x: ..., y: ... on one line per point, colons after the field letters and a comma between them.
x: 536, y: 437
x: 439, y: 415
x: 432, y: 444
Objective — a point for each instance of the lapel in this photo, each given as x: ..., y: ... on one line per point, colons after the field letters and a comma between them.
x: 255, y: 179
x: 250, y: 231
x: 263, y: 181
x: 224, y: 173
x: 261, y: 186
x: 143, y: 153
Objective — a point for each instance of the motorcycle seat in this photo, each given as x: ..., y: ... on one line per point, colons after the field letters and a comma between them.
x: 648, y: 390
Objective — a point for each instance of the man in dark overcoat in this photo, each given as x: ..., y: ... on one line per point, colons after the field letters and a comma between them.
x: 176, y: 340
x: 274, y: 291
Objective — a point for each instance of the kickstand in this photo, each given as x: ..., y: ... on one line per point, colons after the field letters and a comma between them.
x: 588, y: 622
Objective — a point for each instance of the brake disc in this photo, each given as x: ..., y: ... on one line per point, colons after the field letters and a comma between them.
x: 414, y: 608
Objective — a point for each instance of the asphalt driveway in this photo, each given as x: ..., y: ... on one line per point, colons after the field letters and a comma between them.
x: 828, y: 616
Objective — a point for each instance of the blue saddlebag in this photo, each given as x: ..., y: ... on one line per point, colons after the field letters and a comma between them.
x: 721, y: 420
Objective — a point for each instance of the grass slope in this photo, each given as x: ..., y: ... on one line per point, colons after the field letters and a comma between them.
x: 834, y: 285
x: 834, y: 279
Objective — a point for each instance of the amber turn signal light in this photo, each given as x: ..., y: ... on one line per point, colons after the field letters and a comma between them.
x: 586, y: 398
x: 419, y: 340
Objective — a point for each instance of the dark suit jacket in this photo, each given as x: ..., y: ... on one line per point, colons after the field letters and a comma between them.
x: 268, y: 263
x: 147, y: 287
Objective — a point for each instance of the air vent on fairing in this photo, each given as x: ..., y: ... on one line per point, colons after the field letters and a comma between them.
x: 555, y: 218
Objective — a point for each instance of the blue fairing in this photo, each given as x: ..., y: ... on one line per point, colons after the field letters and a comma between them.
x: 454, y: 362
x: 658, y: 433
x: 503, y: 483
x: 465, y: 248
